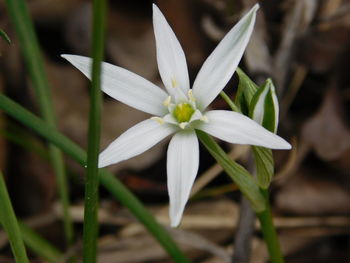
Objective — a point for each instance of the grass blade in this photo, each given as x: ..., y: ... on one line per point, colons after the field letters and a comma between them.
x: 108, y: 180
x: 30, y: 48
x: 39, y: 245
x: 10, y: 224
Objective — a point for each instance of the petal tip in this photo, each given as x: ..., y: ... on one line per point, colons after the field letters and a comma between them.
x: 68, y: 57
x: 101, y: 164
x: 174, y: 225
x: 284, y: 145
x: 256, y: 7
x: 288, y: 146
x: 174, y: 220
x: 155, y: 8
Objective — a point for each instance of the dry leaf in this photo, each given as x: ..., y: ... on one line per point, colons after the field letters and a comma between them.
x: 312, y: 196
x: 326, y: 131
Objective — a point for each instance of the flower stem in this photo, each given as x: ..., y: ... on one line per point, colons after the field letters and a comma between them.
x: 259, y: 198
x: 108, y: 180
x: 9, y: 221
x: 92, y: 181
x: 30, y: 48
x: 232, y: 105
x: 269, y: 231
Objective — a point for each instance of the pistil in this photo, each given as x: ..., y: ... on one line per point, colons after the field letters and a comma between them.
x: 183, y: 112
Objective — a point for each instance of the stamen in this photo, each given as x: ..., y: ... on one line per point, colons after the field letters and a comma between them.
x: 167, y: 101
x: 183, y: 112
x: 190, y: 95
x: 158, y: 119
x: 183, y: 125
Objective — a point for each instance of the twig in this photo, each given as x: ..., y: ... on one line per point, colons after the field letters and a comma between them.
x: 245, y: 228
x: 244, y: 234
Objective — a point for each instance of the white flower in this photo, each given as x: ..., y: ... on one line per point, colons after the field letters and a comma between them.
x: 180, y: 110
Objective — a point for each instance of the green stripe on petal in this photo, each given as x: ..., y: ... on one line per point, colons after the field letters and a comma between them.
x: 264, y: 108
x: 246, y: 90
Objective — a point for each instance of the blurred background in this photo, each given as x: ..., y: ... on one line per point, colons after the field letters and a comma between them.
x: 303, y: 45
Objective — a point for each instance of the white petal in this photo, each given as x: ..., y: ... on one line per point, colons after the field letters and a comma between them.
x: 135, y: 141
x: 170, y: 56
x: 234, y: 127
x: 182, y: 168
x: 222, y: 63
x: 169, y: 118
x: 125, y: 86
x: 197, y: 115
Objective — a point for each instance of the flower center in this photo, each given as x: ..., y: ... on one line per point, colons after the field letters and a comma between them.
x: 183, y: 112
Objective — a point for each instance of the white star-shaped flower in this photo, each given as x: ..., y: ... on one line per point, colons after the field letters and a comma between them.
x: 179, y: 110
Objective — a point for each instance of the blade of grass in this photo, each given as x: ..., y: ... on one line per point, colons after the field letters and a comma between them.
x: 10, y: 224
x: 39, y: 245
x: 4, y: 36
x: 108, y: 180
x: 91, y: 183
x: 30, y: 48
x: 18, y: 136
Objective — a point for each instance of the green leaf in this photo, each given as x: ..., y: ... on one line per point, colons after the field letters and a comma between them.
x: 239, y: 175
x: 246, y: 90
x: 21, y: 137
x: 9, y: 221
x: 264, y: 165
x: 39, y: 245
x: 4, y: 36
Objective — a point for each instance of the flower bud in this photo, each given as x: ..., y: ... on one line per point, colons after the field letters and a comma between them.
x: 264, y: 107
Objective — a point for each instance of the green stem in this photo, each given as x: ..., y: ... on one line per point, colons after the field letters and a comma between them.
x: 232, y: 105
x: 258, y: 197
x: 239, y: 175
x: 269, y: 231
x: 108, y: 180
x: 30, y: 48
x: 10, y: 224
x: 91, y: 184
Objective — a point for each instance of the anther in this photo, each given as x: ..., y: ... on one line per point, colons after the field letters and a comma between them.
x: 190, y: 95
